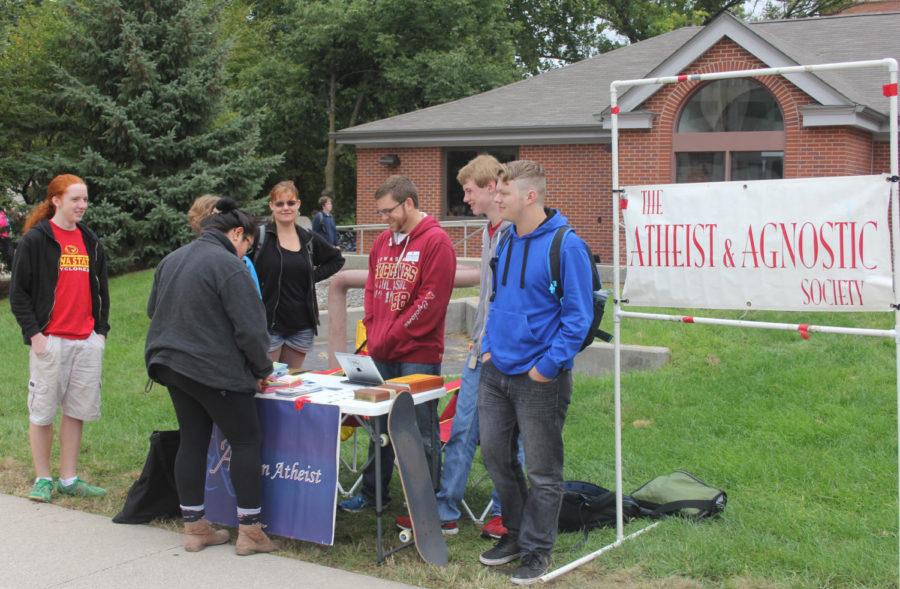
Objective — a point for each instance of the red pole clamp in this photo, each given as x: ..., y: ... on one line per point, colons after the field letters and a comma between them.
x: 889, y: 90
x: 614, y: 110
x: 623, y: 203
x: 687, y: 319
x: 682, y: 78
x: 804, y: 330
x: 301, y: 402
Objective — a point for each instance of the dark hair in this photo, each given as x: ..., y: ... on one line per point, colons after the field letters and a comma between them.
x: 400, y: 188
x: 227, y: 216
x: 323, y: 199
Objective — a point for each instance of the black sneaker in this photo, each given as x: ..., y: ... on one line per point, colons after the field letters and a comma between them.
x: 532, y: 568
x: 504, y: 551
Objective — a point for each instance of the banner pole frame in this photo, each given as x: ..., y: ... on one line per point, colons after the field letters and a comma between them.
x: 617, y: 201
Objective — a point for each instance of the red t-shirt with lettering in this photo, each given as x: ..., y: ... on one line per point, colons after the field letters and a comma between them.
x: 72, y: 316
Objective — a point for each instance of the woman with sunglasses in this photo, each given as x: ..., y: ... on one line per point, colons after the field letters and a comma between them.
x: 290, y: 261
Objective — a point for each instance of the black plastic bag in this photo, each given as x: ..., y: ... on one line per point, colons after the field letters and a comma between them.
x: 154, y: 494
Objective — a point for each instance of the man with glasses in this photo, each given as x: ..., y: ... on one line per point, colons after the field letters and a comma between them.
x: 411, y: 270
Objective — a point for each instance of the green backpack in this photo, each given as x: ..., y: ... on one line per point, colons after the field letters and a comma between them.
x: 679, y: 493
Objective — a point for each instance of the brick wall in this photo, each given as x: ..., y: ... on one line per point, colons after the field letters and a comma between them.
x: 422, y: 164
x: 579, y: 176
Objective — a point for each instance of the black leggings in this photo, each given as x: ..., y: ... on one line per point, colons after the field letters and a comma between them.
x: 197, y: 407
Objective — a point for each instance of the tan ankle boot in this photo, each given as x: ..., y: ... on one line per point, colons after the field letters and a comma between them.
x: 251, y: 539
x: 199, y: 534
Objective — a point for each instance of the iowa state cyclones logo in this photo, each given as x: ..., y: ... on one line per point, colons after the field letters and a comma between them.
x: 73, y: 261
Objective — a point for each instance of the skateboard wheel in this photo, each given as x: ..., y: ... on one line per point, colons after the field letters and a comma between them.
x: 384, y: 440
x: 405, y: 536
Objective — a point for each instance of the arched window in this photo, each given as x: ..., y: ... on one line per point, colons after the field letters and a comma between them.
x: 729, y: 130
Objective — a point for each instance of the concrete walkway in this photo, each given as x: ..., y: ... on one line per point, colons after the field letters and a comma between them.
x: 50, y: 546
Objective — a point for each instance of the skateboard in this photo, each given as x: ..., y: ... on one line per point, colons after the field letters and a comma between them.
x: 416, y: 481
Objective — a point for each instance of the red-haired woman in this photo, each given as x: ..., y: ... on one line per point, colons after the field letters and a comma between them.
x: 289, y: 262
x: 60, y: 299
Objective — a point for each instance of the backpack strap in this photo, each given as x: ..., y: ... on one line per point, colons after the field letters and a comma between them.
x: 260, y: 240
x: 556, y: 281
x: 556, y: 285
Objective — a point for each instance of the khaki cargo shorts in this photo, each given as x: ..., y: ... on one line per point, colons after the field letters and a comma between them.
x: 66, y: 375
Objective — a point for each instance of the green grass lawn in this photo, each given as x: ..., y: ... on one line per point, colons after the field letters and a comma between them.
x: 801, y: 434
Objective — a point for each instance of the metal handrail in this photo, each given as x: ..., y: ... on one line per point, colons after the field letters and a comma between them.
x: 361, y: 228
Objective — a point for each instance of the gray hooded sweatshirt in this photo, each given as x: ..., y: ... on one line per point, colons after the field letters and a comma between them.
x: 207, y: 321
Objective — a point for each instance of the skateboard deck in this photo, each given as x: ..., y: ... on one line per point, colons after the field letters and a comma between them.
x: 416, y: 480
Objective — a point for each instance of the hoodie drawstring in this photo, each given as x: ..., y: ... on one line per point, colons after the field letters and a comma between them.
x: 524, y: 263
x: 506, y: 265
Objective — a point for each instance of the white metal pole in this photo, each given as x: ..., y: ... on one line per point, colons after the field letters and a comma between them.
x: 895, y: 226
x: 798, y: 327
x: 589, y: 557
x: 617, y: 293
x: 891, y: 64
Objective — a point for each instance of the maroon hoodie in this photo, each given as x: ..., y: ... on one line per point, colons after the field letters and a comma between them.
x: 407, y: 292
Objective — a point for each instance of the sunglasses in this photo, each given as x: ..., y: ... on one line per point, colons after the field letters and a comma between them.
x: 285, y: 203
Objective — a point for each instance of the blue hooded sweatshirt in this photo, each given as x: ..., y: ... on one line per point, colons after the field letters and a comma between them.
x: 528, y: 326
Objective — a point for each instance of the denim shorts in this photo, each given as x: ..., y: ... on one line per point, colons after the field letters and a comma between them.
x: 299, y: 341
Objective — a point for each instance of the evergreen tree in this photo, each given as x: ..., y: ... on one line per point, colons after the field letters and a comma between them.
x: 143, y: 85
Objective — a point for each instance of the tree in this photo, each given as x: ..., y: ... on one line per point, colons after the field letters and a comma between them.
x: 32, y: 132
x: 346, y: 62
x: 141, y: 88
x: 778, y: 9
x: 551, y: 33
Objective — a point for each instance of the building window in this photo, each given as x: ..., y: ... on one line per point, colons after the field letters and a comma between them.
x: 454, y: 160
x: 729, y: 130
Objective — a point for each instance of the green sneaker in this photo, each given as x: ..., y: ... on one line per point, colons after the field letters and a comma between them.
x: 41, y: 491
x: 80, y: 489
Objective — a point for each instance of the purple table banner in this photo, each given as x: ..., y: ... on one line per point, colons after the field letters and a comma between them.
x: 299, y: 471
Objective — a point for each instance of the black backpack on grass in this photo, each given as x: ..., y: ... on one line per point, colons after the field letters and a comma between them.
x: 586, y: 506
x: 154, y: 494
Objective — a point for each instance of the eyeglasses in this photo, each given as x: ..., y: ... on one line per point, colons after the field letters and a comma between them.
x: 386, y: 212
x: 285, y: 203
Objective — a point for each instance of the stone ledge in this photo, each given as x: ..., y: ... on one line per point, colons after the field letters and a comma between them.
x: 597, y: 359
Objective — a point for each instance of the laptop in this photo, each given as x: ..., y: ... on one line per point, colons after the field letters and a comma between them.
x: 359, y: 369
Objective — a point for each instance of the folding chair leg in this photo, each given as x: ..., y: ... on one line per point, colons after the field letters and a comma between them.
x: 487, y: 509
x: 355, y: 448
x: 468, y: 511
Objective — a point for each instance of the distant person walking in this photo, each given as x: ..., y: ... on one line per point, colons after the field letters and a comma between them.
x: 6, y: 249
x: 60, y: 298
x: 323, y: 221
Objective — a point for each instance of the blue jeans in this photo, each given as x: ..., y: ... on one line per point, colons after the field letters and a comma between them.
x: 460, y: 448
x: 509, y: 405
x: 425, y: 412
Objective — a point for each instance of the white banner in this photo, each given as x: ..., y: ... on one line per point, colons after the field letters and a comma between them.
x: 810, y: 244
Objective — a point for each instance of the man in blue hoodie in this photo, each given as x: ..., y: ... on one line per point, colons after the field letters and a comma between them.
x: 528, y: 350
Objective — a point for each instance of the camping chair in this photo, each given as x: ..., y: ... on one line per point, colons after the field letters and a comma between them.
x: 445, y: 422
x: 350, y: 424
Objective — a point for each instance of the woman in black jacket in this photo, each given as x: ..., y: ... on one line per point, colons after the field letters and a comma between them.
x: 207, y: 344
x: 289, y: 262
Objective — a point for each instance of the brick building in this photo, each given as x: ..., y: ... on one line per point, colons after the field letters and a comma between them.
x: 829, y: 123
